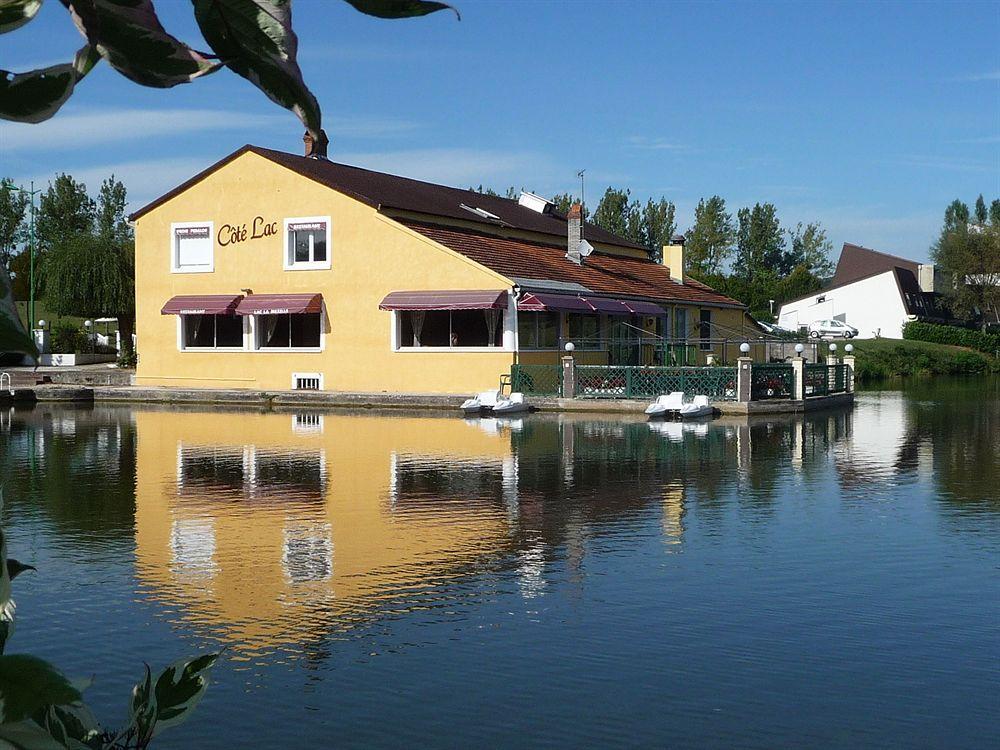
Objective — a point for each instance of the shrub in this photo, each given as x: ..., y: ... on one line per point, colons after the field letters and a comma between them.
x: 906, y: 359
x: 938, y: 334
x: 66, y: 338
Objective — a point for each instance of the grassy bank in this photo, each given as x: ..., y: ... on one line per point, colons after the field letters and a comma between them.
x: 889, y: 358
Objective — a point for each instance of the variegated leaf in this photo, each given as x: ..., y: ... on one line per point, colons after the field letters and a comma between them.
x: 142, y: 708
x: 37, y: 95
x: 15, y: 13
x: 179, y: 688
x: 255, y: 40
x: 400, y: 8
x: 70, y: 725
x: 29, y: 684
x: 129, y: 35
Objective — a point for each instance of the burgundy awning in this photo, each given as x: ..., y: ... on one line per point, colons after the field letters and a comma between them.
x: 643, y: 308
x: 540, y: 302
x: 279, y: 304
x: 444, y: 300
x: 202, y: 304
x: 608, y: 306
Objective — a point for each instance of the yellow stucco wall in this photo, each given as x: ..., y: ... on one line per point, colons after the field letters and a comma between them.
x: 232, y: 574
x: 371, y: 256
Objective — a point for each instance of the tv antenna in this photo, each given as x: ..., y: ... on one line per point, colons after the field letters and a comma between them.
x: 583, y: 202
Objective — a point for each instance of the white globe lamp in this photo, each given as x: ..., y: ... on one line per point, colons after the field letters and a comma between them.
x: 570, y: 346
x: 849, y: 348
x: 799, y: 348
x: 833, y: 347
x: 744, y: 347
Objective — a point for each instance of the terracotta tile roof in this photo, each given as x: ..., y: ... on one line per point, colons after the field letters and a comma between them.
x: 604, y: 274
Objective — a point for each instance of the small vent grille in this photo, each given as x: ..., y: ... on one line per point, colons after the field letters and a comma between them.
x: 307, y: 381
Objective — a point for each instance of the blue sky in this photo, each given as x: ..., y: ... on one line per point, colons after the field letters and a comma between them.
x: 867, y: 117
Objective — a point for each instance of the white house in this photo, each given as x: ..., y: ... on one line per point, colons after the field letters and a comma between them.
x: 872, y: 291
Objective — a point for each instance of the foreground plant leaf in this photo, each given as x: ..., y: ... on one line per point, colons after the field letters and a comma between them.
x: 15, y: 13
x: 254, y: 38
x: 29, y: 684
x: 142, y: 709
x: 38, y: 94
x: 6, y: 602
x: 71, y: 726
x: 179, y: 688
x: 16, y: 567
x: 401, y: 8
x: 129, y: 35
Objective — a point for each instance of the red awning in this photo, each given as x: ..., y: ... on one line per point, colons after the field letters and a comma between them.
x: 540, y: 302
x: 444, y: 300
x: 643, y: 308
x: 203, y: 304
x: 279, y: 304
x: 608, y: 306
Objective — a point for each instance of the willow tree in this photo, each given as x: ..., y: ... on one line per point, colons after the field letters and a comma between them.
x: 92, y: 273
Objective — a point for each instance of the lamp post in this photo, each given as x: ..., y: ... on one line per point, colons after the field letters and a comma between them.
x: 31, y: 247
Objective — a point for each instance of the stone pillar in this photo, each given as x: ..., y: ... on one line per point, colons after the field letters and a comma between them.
x: 799, y: 375
x: 831, y: 379
x: 849, y: 361
x: 831, y: 359
x: 743, y: 371
x: 568, y: 377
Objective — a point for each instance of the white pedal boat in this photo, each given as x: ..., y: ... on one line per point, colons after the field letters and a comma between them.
x: 480, y: 402
x: 667, y: 404
x: 512, y: 405
x: 699, y: 407
x: 492, y: 402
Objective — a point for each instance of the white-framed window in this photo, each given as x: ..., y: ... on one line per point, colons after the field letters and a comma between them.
x: 307, y: 243
x: 289, y: 331
x: 192, y: 247
x: 206, y: 331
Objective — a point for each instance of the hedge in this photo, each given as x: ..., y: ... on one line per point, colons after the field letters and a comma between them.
x: 938, y: 334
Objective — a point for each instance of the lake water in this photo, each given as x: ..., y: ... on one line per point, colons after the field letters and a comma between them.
x: 387, y: 580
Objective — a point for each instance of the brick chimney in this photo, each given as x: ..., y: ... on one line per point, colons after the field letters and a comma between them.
x: 574, y: 233
x: 673, y: 256
x: 315, y: 148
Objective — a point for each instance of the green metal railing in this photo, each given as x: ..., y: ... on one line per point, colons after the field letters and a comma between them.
x: 604, y: 381
x: 822, y: 380
x: 772, y: 381
x: 539, y: 380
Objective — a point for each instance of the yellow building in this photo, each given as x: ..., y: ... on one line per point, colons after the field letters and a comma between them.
x: 275, y: 271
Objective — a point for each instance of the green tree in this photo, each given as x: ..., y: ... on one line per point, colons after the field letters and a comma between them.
x: 710, y: 240
x: 92, y: 273
x: 563, y: 201
x: 809, y: 247
x: 13, y: 206
x: 995, y: 212
x: 956, y: 215
x: 64, y: 209
x: 759, y: 243
x: 620, y: 215
x: 970, y: 255
x: 981, y: 214
x: 658, y: 226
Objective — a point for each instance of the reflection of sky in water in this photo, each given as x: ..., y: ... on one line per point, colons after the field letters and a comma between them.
x: 819, y: 580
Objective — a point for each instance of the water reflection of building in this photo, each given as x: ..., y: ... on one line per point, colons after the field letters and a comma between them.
x: 241, y: 517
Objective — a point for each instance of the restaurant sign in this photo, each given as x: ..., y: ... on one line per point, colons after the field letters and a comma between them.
x: 231, y: 234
